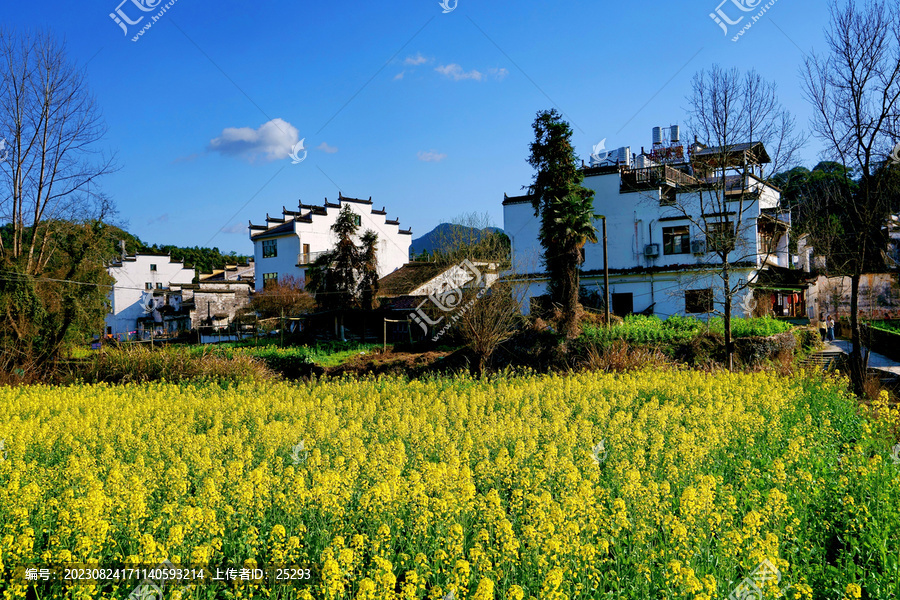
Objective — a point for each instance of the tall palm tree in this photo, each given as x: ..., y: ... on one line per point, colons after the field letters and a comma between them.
x: 570, y: 225
x: 565, y: 208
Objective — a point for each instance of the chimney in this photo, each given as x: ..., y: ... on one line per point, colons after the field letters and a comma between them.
x: 122, y: 248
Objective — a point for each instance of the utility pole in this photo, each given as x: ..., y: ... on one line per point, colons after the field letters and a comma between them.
x: 605, y: 273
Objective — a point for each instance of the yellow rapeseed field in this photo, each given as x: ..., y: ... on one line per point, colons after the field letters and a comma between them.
x: 645, y: 485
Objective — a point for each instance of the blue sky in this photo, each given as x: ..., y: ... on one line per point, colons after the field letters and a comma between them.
x: 427, y: 112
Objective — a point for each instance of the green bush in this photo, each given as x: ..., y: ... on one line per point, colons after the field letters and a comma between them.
x: 756, y: 327
x: 638, y: 329
x: 889, y: 326
x: 324, y: 354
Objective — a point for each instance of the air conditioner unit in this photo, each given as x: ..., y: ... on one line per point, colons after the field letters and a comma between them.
x: 651, y: 250
x: 698, y: 246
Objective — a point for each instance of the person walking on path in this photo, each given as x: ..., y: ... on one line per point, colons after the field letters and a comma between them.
x: 829, y: 325
x: 823, y: 331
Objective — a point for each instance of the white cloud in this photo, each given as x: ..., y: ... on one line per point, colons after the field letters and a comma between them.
x: 271, y: 141
x: 499, y: 74
x: 456, y: 72
x: 431, y: 156
x: 414, y: 61
x: 324, y: 147
x: 399, y: 75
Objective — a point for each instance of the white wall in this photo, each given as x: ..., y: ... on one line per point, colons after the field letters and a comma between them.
x: 520, y: 224
x: 393, y: 246
x: 283, y: 263
x: 634, y: 220
x: 666, y: 291
x: 131, y: 277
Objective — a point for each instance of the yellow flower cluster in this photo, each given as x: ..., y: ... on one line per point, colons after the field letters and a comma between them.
x: 453, y: 487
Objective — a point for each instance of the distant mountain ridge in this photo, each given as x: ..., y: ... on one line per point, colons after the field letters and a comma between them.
x: 433, y: 238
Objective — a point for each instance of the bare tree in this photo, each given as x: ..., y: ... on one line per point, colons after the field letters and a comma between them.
x: 855, y: 92
x: 286, y: 298
x: 747, y: 135
x: 53, y: 282
x: 488, y: 318
x: 488, y: 310
x: 51, y: 125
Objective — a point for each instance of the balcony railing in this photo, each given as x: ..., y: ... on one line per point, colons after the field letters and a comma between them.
x: 654, y: 176
x: 305, y: 258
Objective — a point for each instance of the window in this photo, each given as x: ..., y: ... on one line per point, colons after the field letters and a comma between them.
x: 304, y: 258
x: 270, y: 248
x: 676, y: 240
x: 698, y: 301
x: 152, y: 267
x: 720, y: 236
x: 148, y: 286
x: 269, y: 279
x: 622, y: 304
x: 159, y: 286
x: 357, y: 220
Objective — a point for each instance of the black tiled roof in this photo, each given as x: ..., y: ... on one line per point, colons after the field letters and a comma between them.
x: 357, y: 200
x: 280, y: 229
x: 527, y: 198
x: 409, y: 277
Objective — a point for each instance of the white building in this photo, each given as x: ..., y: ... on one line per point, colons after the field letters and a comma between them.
x: 147, y: 288
x: 288, y: 244
x: 658, y: 248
